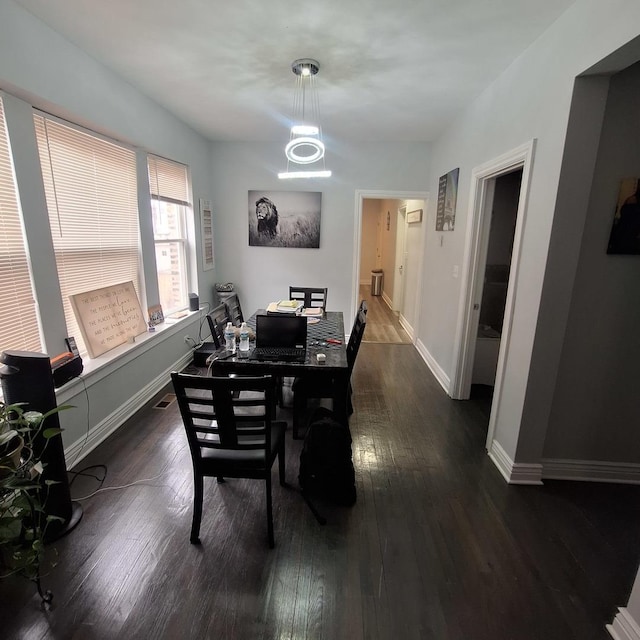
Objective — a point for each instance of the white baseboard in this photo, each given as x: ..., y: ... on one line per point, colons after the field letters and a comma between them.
x: 514, y: 472
x: 624, y: 627
x: 87, y: 443
x: 591, y: 471
x: 434, y: 367
x: 388, y: 300
x: 406, y: 326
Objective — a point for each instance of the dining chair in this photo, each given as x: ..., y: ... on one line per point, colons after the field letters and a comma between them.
x: 217, y: 319
x: 309, y: 296
x: 231, y: 434
x: 234, y: 310
x: 310, y: 387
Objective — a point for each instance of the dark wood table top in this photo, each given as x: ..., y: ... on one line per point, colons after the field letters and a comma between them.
x: 329, y: 327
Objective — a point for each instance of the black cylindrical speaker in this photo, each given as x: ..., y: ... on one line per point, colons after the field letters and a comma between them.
x: 194, y: 302
x: 26, y: 377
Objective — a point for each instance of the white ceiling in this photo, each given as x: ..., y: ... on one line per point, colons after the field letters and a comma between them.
x: 390, y: 71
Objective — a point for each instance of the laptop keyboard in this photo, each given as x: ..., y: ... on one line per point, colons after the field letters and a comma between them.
x: 278, y: 352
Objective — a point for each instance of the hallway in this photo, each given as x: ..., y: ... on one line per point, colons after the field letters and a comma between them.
x: 383, y: 325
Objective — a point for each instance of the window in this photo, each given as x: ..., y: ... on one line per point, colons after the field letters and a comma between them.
x: 19, y: 328
x: 91, y: 189
x: 169, y: 185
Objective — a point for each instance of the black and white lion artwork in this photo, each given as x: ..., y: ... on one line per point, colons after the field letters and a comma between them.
x: 267, y: 215
x: 287, y: 219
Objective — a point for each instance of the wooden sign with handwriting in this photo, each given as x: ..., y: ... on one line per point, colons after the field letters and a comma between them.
x: 108, y: 316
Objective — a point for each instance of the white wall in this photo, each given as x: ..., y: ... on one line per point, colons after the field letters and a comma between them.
x: 262, y: 274
x: 531, y: 99
x: 39, y: 68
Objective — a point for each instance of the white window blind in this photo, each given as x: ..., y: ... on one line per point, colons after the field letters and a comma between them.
x: 19, y: 327
x: 169, y: 186
x: 91, y: 191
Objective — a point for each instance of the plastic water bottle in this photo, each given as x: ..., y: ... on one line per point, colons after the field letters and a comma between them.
x: 244, y: 337
x: 230, y: 338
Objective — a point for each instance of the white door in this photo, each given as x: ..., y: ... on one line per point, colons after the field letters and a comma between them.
x: 401, y: 260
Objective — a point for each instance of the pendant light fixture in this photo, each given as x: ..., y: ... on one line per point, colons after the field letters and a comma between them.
x: 305, y: 147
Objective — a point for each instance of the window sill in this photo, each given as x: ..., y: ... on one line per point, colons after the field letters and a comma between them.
x: 95, y: 369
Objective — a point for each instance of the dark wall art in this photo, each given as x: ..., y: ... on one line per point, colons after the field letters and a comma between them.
x: 447, y: 197
x: 625, y: 231
x: 285, y: 219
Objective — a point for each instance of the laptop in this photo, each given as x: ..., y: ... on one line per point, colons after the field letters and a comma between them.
x: 280, y: 338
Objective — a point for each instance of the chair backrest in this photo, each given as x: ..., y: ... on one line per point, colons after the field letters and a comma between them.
x: 234, y: 310
x: 309, y: 296
x: 216, y: 415
x: 363, y: 307
x: 355, y: 338
x: 217, y: 319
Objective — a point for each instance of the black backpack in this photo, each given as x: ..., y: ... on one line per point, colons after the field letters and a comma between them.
x: 326, y: 468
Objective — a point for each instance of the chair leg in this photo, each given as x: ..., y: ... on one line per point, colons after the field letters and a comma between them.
x: 299, y: 410
x: 269, y: 512
x: 281, y: 465
x: 280, y: 397
x: 197, y: 508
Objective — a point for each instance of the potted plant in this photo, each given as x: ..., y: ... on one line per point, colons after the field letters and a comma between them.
x: 23, y: 524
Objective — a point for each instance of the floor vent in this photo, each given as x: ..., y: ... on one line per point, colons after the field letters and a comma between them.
x: 164, y: 402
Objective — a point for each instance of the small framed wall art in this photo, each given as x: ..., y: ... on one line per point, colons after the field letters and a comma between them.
x: 447, y: 197
x: 414, y: 216
x: 625, y: 229
x: 206, y: 230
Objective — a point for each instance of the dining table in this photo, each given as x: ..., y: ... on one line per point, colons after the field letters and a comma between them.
x: 325, y: 335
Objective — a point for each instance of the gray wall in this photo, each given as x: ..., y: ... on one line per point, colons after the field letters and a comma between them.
x: 594, y: 415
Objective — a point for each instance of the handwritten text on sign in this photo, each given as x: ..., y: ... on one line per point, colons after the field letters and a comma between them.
x: 108, y: 316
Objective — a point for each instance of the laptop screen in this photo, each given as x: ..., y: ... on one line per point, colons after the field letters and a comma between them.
x: 281, y: 331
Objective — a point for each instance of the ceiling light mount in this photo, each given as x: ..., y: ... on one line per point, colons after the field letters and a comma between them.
x: 305, y: 67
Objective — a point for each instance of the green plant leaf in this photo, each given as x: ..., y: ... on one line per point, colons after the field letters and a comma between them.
x: 51, y: 432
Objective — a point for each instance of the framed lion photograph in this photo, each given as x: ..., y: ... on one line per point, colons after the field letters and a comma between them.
x: 285, y: 219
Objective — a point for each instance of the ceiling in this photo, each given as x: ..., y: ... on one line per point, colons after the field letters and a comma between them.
x: 389, y: 70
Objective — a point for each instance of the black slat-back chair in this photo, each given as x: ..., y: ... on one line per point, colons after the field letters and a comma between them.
x: 234, y: 310
x: 310, y: 387
x: 309, y: 296
x: 231, y: 433
x: 217, y: 319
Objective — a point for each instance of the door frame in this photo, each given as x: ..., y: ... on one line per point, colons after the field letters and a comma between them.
x: 366, y: 194
x: 476, y: 242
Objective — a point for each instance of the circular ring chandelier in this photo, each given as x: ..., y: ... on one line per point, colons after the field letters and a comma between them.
x: 300, y: 144
x: 305, y: 146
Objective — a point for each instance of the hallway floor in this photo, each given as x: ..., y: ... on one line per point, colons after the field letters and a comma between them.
x: 383, y: 325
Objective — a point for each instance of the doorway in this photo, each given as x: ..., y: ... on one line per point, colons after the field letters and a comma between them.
x: 477, y: 246
x: 497, y: 264
x: 380, y: 225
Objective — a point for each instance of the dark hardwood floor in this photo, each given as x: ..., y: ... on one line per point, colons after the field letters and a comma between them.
x: 436, y: 547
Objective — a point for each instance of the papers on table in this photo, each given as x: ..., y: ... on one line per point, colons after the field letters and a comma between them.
x: 312, y: 311
x: 285, y: 306
x: 294, y: 306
